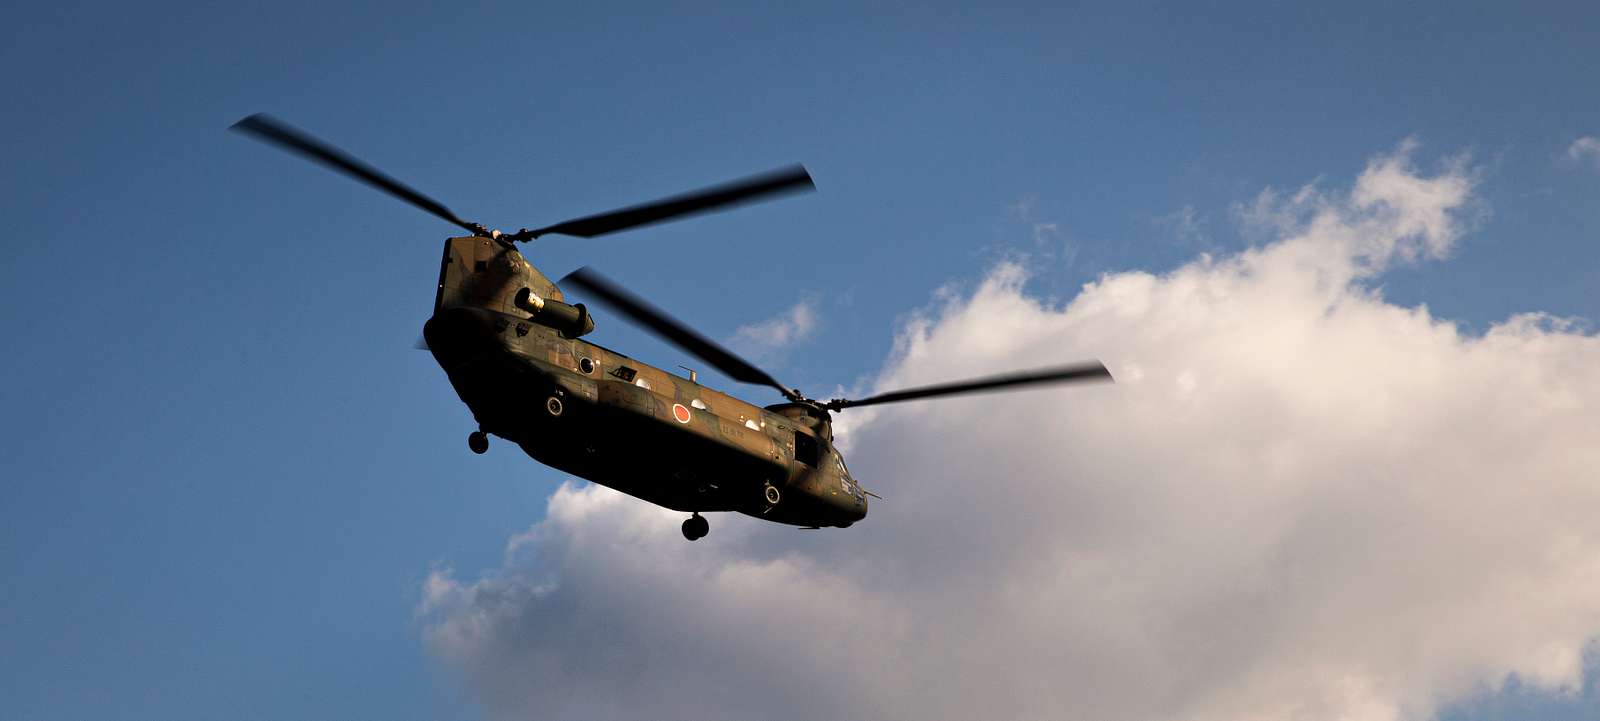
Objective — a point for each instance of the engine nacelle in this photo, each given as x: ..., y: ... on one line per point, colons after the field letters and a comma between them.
x: 571, y: 320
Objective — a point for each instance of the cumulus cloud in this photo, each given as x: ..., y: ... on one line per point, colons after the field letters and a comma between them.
x: 1299, y: 501
x: 779, y: 332
x: 1585, y: 147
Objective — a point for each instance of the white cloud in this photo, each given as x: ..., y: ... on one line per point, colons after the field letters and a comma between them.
x: 1299, y: 501
x: 780, y: 332
x: 1585, y: 147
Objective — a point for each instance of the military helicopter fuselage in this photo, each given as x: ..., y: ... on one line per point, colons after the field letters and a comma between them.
x: 511, y: 347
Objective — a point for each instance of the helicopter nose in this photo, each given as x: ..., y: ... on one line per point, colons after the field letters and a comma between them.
x: 455, y: 335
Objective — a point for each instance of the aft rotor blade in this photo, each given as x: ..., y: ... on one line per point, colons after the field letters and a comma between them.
x: 271, y: 130
x: 671, y: 329
x: 1092, y: 371
x: 793, y: 179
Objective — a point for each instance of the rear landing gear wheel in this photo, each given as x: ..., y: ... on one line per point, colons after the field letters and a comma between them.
x: 696, y: 527
x: 478, y: 441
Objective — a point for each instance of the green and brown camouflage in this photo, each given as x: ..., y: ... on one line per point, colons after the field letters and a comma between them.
x: 527, y: 375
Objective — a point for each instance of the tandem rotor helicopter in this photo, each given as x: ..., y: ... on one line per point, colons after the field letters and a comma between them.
x: 511, y: 346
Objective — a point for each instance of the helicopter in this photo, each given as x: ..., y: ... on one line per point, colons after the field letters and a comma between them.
x: 512, y: 347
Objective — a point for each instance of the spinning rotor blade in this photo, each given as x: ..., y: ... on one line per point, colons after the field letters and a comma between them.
x: 793, y: 179
x: 671, y: 330
x: 1081, y: 372
x: 271, y: 130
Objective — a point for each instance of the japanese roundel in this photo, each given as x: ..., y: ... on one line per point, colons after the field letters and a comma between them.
x: 680, y: 413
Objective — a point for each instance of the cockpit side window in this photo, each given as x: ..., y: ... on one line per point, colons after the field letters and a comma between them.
x: 845, y: 479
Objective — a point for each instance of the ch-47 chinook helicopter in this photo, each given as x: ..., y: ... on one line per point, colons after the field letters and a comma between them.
x: 511, y: 345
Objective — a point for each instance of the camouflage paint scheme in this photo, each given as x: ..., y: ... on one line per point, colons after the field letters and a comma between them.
x: 600, y: 415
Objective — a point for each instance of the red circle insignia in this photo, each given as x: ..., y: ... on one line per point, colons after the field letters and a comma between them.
x: 680, y: 413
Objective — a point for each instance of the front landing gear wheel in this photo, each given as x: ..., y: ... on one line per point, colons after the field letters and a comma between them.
x: 696, y: 527
x: 478, y: 441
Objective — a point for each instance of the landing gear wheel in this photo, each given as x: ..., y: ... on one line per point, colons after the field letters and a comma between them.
x: 478, y: 441
x: 696, y: 527
x: 553, y: 405
x: 772, y: 495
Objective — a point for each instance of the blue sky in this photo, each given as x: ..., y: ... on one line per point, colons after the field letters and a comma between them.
x: 227, y: 475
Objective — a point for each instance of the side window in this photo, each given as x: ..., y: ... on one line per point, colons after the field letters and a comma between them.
x: 805, y: 449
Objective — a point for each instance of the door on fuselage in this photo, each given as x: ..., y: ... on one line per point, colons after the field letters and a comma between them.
x: 806, y: 449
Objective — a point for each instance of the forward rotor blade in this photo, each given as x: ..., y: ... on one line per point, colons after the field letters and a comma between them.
x: 793, y: 179
x: 1081, y: 372
x: 271, y: 130
x: 671, y: 330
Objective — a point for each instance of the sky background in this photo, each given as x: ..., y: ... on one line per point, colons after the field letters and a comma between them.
x: 227, y: 477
